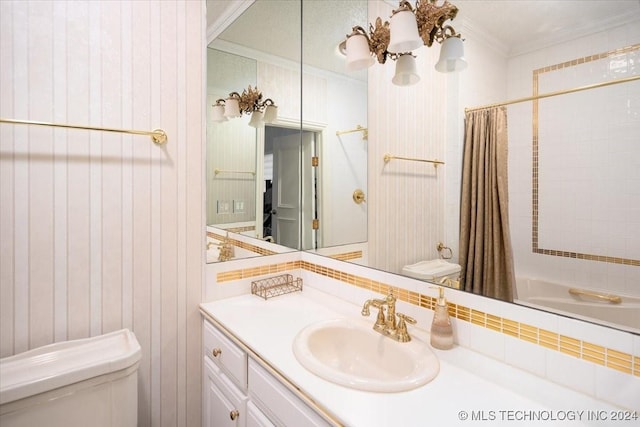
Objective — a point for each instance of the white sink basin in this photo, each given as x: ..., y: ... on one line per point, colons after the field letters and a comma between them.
x: 350, y: 353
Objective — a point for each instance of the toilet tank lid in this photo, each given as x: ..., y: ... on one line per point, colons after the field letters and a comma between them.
x: 64, y: 363
x: 433, y: 268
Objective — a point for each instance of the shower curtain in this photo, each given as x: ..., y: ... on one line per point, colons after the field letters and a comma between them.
x: 485, y: 245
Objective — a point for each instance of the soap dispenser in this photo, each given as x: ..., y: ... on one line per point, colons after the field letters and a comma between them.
x: 441, y: 330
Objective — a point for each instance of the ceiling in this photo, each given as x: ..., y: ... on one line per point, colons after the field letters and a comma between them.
x: 526, y: 25
x: 274, y: 27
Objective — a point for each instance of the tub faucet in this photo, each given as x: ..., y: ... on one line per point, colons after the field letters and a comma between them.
x: 386, y: 323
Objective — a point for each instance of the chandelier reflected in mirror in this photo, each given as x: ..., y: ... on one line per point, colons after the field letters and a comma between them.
x: 409, y: 29
x: 251, y: 103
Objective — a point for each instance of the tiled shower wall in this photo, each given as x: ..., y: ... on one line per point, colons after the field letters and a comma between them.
x: 581, y: 226
x: 493, y: 76
x: 101, y: 231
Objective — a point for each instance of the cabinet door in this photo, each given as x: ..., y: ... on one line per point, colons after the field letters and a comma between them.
x: 223, y: 405
x: 256, y: 418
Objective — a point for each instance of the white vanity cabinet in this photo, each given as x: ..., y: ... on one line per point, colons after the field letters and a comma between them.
x: 224, y: 405
x: 256, y: 418
x: 239, y: 392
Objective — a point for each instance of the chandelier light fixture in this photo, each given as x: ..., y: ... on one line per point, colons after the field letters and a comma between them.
x: 409, y: 29
x: 251, y: 103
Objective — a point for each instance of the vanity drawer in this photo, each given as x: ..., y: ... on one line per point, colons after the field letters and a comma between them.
x: 225, y: 354
x: 279, y: 403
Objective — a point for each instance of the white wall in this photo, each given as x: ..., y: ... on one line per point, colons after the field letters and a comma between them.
x: 343, y: 163
x: 230, y: 144
x: 408, y: 122
x: 101, y: 231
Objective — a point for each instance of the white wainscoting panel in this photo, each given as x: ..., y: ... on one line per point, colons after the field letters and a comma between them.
x: 101, y: 231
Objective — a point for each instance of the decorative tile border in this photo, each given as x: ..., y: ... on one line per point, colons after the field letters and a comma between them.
x: 347, y: 256
x: 620, y: 361
x: 241, y: 244
x: 536, y: 167
x: 248, y: 273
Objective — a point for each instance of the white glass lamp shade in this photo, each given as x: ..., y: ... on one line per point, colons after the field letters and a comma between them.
x: 217, y: 113
x: 406, y: 72
x: 232, y: 108
x: 270, y: 114
x: 451, y: 56
x: 256, y: 119
x: 358, y: 53
x: 404, y: 32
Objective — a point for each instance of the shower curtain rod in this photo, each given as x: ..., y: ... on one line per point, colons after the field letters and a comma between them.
x: 158, y: 136
x: 555, y: 93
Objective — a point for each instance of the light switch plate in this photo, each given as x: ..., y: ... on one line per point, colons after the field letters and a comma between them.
x: 224, y: 206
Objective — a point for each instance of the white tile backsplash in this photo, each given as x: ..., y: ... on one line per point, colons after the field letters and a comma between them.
x: 571, y: 372
x: 488, y: 342
x: 525, y: 355
x: 614, y: 386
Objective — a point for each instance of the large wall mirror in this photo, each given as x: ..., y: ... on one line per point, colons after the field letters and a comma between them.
x: 573, y: 200
x: 290, y: 181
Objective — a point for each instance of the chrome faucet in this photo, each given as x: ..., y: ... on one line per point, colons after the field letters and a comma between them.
x: 386, y: 323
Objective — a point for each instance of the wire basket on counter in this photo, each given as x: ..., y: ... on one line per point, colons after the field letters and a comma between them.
x: 274, y: 286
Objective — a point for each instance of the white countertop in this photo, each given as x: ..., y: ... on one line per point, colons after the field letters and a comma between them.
x: 470, y: 389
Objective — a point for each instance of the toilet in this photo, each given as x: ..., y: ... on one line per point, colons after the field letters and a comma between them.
x: 435, y: 270
x: 85, y: 382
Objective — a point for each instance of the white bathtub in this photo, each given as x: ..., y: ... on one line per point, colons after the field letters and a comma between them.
x: 556, y: 297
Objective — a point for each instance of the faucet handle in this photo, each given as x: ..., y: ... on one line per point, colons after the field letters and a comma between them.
x: 404, y: 318
x: 401, y: 334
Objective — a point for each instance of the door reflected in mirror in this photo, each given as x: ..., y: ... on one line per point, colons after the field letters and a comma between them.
x: 305, y: 201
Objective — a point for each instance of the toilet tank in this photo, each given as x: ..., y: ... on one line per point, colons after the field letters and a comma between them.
x: 433, y: 270
x: 86, y: 382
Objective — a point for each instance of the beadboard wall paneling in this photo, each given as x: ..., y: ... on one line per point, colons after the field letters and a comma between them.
x: 101, y: 231
x: 408, y: 122
x: 231, y: 144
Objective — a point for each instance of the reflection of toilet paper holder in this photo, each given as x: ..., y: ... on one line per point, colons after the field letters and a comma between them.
x: 442, y: 247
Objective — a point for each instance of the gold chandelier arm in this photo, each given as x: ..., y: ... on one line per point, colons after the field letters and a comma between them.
x: 379, y: 39
x: 431, y: 18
